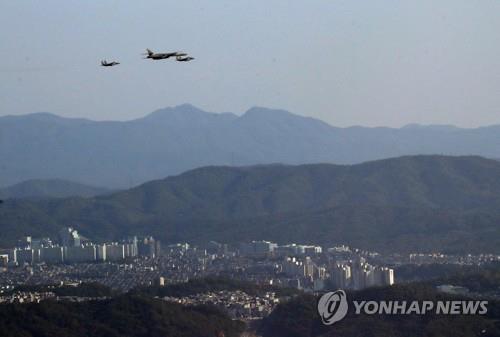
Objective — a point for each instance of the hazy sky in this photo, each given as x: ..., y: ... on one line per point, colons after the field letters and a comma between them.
x: 373, y: 62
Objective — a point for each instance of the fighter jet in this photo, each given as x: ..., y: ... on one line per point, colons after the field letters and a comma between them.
x: 105, y: 63
x: 161, y: 56
x: 184, y: 59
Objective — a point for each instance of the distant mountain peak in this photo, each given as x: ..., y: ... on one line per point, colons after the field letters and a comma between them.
x: 36, y: 116
x: 183, y: 109
x: 261, y: 114
x: 437, y: 127
x: 261, y: 111
x: 43, y: 114
x: 186, y: 114
x: 46, y: 117
x: 186, y: 107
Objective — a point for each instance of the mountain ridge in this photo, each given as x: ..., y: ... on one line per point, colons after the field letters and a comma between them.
x: 186, y: 107
x: 50, y: 188
x: 418, y: 203
x: 120, y: 154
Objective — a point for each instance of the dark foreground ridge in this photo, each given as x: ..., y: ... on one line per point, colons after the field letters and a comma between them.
x: 145, y: 312
x: 414, y: 203
x: 299, y: 318
x: 122, y: 316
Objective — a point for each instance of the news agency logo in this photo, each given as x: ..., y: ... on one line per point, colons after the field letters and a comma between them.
x: 333, y: 307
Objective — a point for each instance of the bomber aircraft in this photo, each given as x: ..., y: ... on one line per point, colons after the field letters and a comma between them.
x: 161, y: 56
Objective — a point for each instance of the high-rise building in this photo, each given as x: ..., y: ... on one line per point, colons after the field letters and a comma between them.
x: 25, y: 256
x: 101, y: 252
x: 264, y: 247
x: 4, y: 260
x: 51, y: 255
x: 259, y: 248
x: 11, y: 254
x: 319, y: 273
x: 312, y: 250
x: 130, y: 249
x: 24, y: 243
x: 147, y: 247
x: 38, y: 243
x: 157, y: 247
x: 387, y: 276
x: 293, y: 267
x: 309, y: 268
x: 115, y: 252
x: 80, y: 254
x: 341, y: 276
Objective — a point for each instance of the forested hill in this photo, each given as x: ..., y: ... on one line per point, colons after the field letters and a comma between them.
x: 406, y: 203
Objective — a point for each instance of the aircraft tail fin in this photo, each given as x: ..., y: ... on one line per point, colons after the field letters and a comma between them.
x: 150, y: 52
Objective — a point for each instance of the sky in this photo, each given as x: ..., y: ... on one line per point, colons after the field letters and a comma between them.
x: 364, y: 62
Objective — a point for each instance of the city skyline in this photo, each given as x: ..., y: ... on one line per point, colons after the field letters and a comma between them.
x: 242, y: 169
